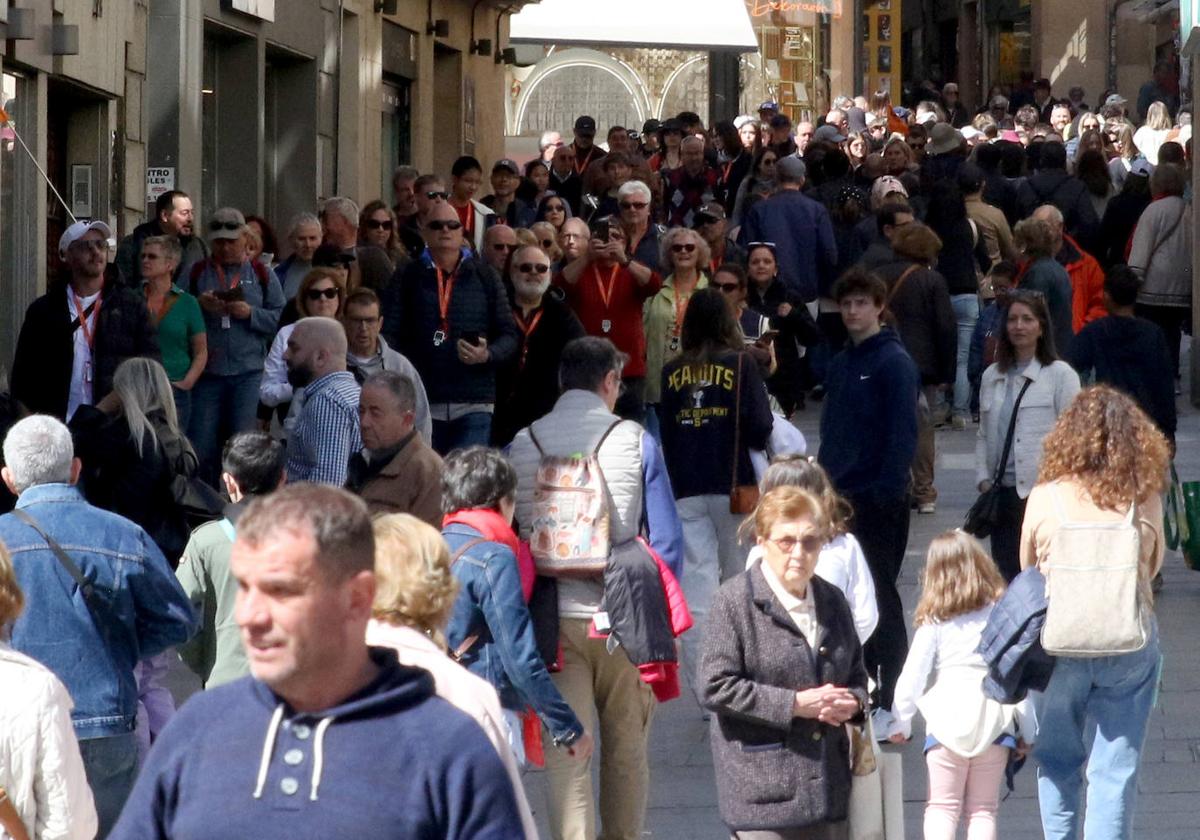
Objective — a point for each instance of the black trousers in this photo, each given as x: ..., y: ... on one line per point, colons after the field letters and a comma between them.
x: 881, y: 528
x: 1172, y: 320
x: 1006, y: 536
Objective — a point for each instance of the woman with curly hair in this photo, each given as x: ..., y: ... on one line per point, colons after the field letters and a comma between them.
x: 1027, y: 380
x: 1104, y: 457
x: 415, y: 591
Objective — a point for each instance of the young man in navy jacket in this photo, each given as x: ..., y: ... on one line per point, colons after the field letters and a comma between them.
x: 868, y: 438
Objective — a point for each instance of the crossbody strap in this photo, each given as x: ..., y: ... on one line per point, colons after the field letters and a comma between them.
x: 737, y: 423
x: 1008, y: 438
x: 86, y: 587
x: 469, y: 642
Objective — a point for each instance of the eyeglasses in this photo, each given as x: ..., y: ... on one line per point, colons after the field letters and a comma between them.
x: 224, y: 226
x: 728, y: 287
x: 683, y: 247
x: 359, y: 323
x: 634, y: 205
x: 533, y: 268
x: 503, y: 246
x: 438, y: 224
x: 316, y: 294
x: 547, y: 243
x: 702, y: 220
x: 555, y: 208
x: 377, y: 224
x: 787, y: 545
x: 434, y: 195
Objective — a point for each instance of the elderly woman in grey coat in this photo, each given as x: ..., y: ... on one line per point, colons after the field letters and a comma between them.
x: 782, y: 672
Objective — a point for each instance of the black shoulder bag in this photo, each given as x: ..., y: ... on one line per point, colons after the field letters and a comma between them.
x: 984, y: 514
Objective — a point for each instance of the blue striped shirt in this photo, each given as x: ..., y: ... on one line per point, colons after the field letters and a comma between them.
x: 326, y: 432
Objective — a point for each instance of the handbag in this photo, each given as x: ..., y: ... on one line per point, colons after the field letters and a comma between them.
x: 1175, y: 525
x: 743, y: 498
x: 985, y: 513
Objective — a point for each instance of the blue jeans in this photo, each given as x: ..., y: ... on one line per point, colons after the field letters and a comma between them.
x: 111, y: 765
x: 183, y: 407
x: 473, y: 429
x: 1115, y: 694
x: 222, y: 406
x: 966, y: 313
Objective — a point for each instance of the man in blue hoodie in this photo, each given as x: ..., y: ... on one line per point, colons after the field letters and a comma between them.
x: 868, y: 438
x: 327, y: 738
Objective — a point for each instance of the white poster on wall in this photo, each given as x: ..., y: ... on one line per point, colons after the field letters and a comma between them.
x: 159, y: 179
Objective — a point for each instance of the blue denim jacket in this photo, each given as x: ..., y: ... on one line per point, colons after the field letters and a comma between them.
x: 490, y: 604
x: 142, y: 608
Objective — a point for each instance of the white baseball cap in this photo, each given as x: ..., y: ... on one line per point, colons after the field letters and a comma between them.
x: 76, y: 232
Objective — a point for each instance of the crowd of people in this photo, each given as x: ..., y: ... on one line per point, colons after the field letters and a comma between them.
x: 470, y: 484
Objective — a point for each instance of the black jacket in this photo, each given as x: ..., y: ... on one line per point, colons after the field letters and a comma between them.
x: 637, y: 605
x: 1069, y: 195
x: 478, y: 307
x: 924, y: 318
x: 527, y: 383
x: 41, y: 375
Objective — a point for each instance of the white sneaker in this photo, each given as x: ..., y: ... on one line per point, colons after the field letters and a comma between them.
x: 927, y: 508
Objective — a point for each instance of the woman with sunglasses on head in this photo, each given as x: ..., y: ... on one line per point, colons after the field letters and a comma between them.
x: 1029, y: 381
x: 321, y: 294
x: 527, y: 384
x: 377, y: 226
x: 767, y: 295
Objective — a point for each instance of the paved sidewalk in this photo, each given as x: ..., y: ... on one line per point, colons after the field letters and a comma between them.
x: 683, y: 794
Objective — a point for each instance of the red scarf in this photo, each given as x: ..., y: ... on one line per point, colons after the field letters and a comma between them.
x: 489, y: 523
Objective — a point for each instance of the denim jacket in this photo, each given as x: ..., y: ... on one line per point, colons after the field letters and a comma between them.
x: 491, y: 605
x: 141, y: 608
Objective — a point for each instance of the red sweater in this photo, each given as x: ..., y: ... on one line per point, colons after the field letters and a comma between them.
x: 622, y: 312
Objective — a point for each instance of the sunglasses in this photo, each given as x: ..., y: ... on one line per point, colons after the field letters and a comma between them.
x: 533, y: 268
x: 634, y: 205
x: 503, y: 246
x: 438, y: 224
x: 788, y: 544
x: 316, y: 294
x: 224, y: 226
x: 434, y: 195
x: 728, y: 287
x: 683, y: 247
x: 547, y: 243
x: 701, y: 220
x: 752, y: 245
x: 376, y: 224
x: 555, y: 208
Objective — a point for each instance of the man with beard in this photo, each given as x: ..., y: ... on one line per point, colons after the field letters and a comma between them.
x: 326, y: 432
x: 173, y: 216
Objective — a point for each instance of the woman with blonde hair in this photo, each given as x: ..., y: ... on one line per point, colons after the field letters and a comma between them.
x: 546, y: 236
x: 782, y: 672
x: 1105, y: 465
x: 1154, y: 131
x: 414, y: 594
x: 968, y: 735
x: 44, y: 790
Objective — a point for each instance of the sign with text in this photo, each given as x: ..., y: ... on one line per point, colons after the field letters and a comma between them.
x: 159, y: 179
x: 760, y: 9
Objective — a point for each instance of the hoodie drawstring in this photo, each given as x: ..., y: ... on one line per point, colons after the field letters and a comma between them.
x: 268, y: 748
x: 318, y: 756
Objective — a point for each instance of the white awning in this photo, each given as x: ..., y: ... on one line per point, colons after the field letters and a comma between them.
x: 695, y: 25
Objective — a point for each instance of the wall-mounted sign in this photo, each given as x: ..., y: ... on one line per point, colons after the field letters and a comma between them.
x: 768, y: 8
x: 261, y: 9
x: 159, y: 179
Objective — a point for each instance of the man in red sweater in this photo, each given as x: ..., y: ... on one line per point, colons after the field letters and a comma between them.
x: 606, y: 288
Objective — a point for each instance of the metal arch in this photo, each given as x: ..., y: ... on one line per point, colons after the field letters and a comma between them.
x: 675, y: 74
x: 584, y: 58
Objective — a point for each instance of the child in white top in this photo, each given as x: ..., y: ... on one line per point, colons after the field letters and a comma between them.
x: 968, y: 735
x: 841, y: 561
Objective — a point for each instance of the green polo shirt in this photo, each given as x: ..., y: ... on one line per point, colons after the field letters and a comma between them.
x: 182, y: 321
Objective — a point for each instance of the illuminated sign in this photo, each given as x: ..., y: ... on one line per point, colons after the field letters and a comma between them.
x: 768, y: 8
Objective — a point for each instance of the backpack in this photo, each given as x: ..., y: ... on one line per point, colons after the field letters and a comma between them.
x: 1094, y: 606
x: 570, y: 518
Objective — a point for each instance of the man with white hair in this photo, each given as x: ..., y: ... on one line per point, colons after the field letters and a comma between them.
x: 326, y: 432
x: 95, y: 609
x: 304, y: 235
x: 641, y: 236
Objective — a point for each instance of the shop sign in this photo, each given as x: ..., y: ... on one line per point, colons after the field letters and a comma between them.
x: 759, y: 9
x: 159, y: 179
x: 261, y: 9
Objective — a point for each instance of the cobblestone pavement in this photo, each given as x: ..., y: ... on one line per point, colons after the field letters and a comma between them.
x: 682, y: 790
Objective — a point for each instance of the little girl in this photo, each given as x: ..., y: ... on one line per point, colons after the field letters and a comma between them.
x: 968, y: 735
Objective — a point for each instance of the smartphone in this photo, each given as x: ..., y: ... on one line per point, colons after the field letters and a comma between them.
x: 472, y: 337
x: 600, y: 228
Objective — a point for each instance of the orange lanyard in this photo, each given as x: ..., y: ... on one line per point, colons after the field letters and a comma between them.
x: 162, y: 309
x: 580, y: 166
x: 526, y: 331
x: 725, y: 173
x: 606, y: 294
x: 445, y: 290
x: 221, y: 278
x: 88, y: 335
x: 681, y: 303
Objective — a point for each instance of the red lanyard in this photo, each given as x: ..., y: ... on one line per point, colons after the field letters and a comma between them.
x: 606, y: 294
x: 88, y: 335
x: 445, y: 290
x: 725, y: 173
x: 526, y: 331
x: 162, y: 309
x: 221, y: 278
x: 582, y: 165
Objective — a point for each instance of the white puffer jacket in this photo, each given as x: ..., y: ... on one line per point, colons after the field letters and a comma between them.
x: 40, y: 765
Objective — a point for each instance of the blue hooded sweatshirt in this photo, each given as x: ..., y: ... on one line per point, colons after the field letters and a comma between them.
x: 391, y: 761
x: 869, y: 424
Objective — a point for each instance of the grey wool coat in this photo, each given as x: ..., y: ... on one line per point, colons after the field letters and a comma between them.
x: 776, y: 771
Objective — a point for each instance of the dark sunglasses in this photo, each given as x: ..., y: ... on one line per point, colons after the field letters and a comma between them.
x: 682, y: 247
x: 702, y: 220
x: 634, y: 205
x: 533, y: 268
x: 555, y: 208
x: 547, y: 243
x: 503, y: 246
x: 224, y: 226
x: 434, y: 195
x: 728, y: 287
x: 317, y: 294
x: 376, y: 224
x: 750, y: 246
x: 438, y: 224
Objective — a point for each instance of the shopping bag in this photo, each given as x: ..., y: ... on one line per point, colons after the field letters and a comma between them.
x: 1174, y: 516
x: 891, y: 778
x: 1189, y: 543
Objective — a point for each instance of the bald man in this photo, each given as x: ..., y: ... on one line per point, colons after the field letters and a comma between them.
x: 326, y: 432
x: 1087, y: 277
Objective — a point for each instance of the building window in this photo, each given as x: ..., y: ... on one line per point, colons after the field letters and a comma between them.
x: 396, y: 130
x: 19, y: 184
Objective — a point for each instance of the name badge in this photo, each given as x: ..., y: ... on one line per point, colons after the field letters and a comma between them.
x: 606, y: 325
x: 226, y: 323
x: 673, y: 345
x: 439, y: 336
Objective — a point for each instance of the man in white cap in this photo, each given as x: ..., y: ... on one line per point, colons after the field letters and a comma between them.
x: 76, y: 334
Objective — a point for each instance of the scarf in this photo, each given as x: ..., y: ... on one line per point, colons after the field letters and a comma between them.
x: 489, y: 523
